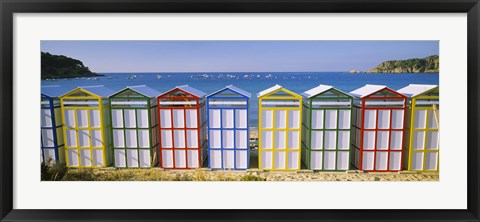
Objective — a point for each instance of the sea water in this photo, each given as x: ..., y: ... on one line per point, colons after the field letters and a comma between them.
x: 252, y: 82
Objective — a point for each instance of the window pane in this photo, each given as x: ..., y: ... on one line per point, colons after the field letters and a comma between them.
x: 382, y: 140
x: 131, y: 138
x: 418, y: 140
x: 384, y: 119
x: 370, y: 119
x: 343, y: 140
x: 227, y: 118
x: 241, y: 118
x: 293, y: 139
x: 142, y: 118
x: 178, y: 118
x: 293, y: 119
x: 191, y: 118
x: 397, y: 119
x: 280, y: 139
x: 165, y: 118
x: 331, y: 119
x: 344, y: 119
x: 369, y: 140
x: 420, y: 119
x: 317, y: 119
x: 280, y: 119
x: 46, y: 118
x: 266, y: 139
x: 130, y: 118
x: 433, y: 119
x: 143, y: 139
x: 432, y: 140
x: 267, y: 116
x: 83, y: 136
x: 82, y: 118
x: 330, y: 140
x: 95, y: 118
x: 118, y: 138
x: 117, y: 118
x: 214, y: 118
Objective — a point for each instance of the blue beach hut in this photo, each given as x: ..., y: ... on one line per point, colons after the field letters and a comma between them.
x: 228, y: 132
x: 52, y: 147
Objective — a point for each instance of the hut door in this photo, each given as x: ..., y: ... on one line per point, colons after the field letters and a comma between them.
x: 228, y: 138
x: 83, y: 137
x: 179, y: 133
x: 283, y: 137
x: 131, y: 139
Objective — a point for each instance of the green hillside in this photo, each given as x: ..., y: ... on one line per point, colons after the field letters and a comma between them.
x: 428, y: 64
x: 59, y: 66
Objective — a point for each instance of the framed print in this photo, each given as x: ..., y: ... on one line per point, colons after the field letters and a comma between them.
x: 217, y: 110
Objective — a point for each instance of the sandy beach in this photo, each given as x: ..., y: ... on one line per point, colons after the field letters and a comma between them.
x: 249, y: 175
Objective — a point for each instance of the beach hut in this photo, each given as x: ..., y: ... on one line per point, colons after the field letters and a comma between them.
x: 182, y: 128
x: 52, y: 149
x: 86, y: 127
x: 326, y: 129
x: 378, y: 124
x: 134, y: 127
x: 279, y: 123
x: 422, y: 148
x: 228, y: 132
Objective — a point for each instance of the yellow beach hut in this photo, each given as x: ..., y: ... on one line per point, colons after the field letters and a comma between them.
x: 422, y: 128
x: 279, y: 125
x: 87, y: 133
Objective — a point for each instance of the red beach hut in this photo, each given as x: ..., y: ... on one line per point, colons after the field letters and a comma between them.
x: 378, y: 124
x: 182, y: 128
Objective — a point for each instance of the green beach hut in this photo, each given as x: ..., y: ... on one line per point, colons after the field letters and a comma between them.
x: 134, y: 127
x: 326, y: 129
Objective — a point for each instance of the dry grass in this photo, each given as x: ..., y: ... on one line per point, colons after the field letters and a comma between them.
x: 61, y: 173
x: 54, y: 172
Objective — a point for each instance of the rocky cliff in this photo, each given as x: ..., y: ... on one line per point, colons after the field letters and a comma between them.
x: 428, y: 64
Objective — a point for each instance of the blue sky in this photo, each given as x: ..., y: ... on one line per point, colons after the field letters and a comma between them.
x: 237, y: 56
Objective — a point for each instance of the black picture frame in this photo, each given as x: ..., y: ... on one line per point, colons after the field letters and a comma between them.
x: 9, y: 7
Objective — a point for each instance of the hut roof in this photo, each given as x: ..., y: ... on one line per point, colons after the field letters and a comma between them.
x: 141, y: 89
x: 317, y: 90
x: 269, y: 90
x: 367, y: 90
x: 233, y: 88
x: 413, y: 90
x: 53, y: 91
x: 191, y: 90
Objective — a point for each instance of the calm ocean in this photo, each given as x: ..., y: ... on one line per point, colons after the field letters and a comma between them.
x: 297, y: 82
